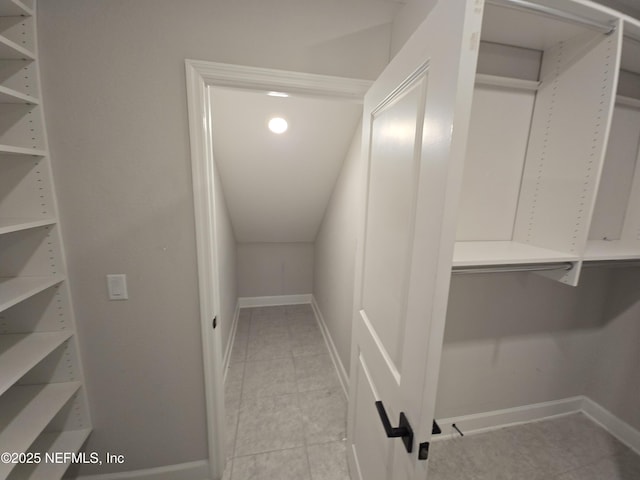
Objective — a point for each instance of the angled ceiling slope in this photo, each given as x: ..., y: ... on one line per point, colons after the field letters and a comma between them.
x: 277, y: 186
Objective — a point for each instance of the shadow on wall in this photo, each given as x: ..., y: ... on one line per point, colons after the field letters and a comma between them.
x: 500, y: 305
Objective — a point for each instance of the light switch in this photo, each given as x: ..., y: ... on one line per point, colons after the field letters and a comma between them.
x: 117, y: 286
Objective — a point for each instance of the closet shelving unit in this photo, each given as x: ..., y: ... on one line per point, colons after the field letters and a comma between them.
x: 615, y: 230
x: 539, y: 126
x: 43, y: 406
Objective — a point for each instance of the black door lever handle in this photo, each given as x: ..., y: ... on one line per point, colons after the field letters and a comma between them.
x: 403, y: 430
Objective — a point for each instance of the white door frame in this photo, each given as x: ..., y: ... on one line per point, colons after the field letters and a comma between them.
x: 200, y: 76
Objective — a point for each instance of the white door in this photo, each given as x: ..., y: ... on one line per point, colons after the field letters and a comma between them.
x: 414, y: 136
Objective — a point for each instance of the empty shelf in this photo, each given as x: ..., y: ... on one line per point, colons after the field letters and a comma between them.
x: 68, y: 441
x: 14, y: 8
x: 505, y: 253
x: 7, y: 95
x: 12, y: 149
x: 611, y: 250
x: 14, y: 290
x: 25, y: 411
x: 11, y: 50
x: 19, y: 353
x: 8, y: 225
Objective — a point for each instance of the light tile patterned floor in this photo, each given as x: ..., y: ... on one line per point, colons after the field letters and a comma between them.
x: 570, y: 447
x: 286, y: 410
x: 286, y: 419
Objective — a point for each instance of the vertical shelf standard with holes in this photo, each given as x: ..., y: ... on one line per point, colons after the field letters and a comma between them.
x: 43, y: 405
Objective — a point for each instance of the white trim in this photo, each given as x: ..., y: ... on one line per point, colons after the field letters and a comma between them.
x: 333, y: 351
x: 184, y: 471
x: 483, y: 422
x: 255, y: 78
x: 231, y: 340
x: 275, y: 300
x: 616, y: 427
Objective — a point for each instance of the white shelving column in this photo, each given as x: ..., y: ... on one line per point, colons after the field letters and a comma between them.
x: 43, y: 406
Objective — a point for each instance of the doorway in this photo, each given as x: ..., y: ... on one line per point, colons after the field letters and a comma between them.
x: 202, y: 79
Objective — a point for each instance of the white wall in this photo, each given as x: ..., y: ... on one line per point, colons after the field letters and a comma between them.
x: 115, y: 98
x: 270, y: 269
x: 516, y: 339
x: 226, y: 261
x: 616, y: 378
x: 336, y: 250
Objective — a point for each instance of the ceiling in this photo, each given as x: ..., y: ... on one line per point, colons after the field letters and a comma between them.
x: 277, y: 187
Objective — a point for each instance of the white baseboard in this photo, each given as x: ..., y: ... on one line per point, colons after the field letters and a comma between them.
x: 274, y: 300
x: 230, y: 340
x: 184, y: 471
x: 333, y: 351
x: 483, y: 422
x: 616, y: 427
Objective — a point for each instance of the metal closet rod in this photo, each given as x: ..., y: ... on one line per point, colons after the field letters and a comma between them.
x: 554, y: 12
x: 523, y: 267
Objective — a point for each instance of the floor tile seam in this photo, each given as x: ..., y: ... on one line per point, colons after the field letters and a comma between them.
x: 237, y: 429
x: 265, y: 452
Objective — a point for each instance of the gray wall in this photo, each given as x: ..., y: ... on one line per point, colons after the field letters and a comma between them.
x: 271, y: 269
x: 336, y: 250
x: 517, y: 339
x: 226, y: 261
x: 115, y: 99
x: 616, y: 379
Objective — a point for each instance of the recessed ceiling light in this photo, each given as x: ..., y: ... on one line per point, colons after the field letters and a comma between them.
x: 278, y: 94
x: 278, y: 125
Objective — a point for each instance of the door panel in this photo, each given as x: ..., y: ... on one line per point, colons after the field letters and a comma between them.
x: 391, y: 212
x: 415, y: 125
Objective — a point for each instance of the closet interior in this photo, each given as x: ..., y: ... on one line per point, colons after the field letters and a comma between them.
x: 551, y: 185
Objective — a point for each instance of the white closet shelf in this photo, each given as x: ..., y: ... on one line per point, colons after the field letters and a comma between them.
x: 25, y: 411
x: 507, y: 82
x: 14, y: 290
x: 19, y: 353
x: 628, y: 101
x: 8, y: 95
x: 13, y: 51
x: 14, y: 8
x: 505, y: 253
x: 12, y: 149
x: 8, y: 225
x: 67, y: 441
x: 611, y: 250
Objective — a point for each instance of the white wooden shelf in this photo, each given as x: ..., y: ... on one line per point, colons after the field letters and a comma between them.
x: 505, y: 253
x: 507, y: 82
x: 19, y: 353
x: 8, y: 95
x: 25, y: 411
x: 14, y: 290
x: 14, y: 150
x: 11, y: 50
x: 14, y: 8
x: 68, y: 441
x: 8, y: 225
x: 611, y: 250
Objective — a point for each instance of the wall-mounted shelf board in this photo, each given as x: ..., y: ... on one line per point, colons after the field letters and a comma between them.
x: 13, y: 8
x: 505, y: 253
x: 8, y: 95
x: 610, y: 250
x: 68, y: 441
x: 11, y: 50
x: 8, y: 225
x: 13, y: 150
x: 14, y: 290
x: 25, y: 411
x: 21, y: 352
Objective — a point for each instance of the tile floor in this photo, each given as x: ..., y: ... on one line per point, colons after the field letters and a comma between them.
x: 570, y: 447
x: 286, y: 419
x: 286, y: 410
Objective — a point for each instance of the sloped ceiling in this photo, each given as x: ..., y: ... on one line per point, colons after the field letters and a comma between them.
x: 277, y: 186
